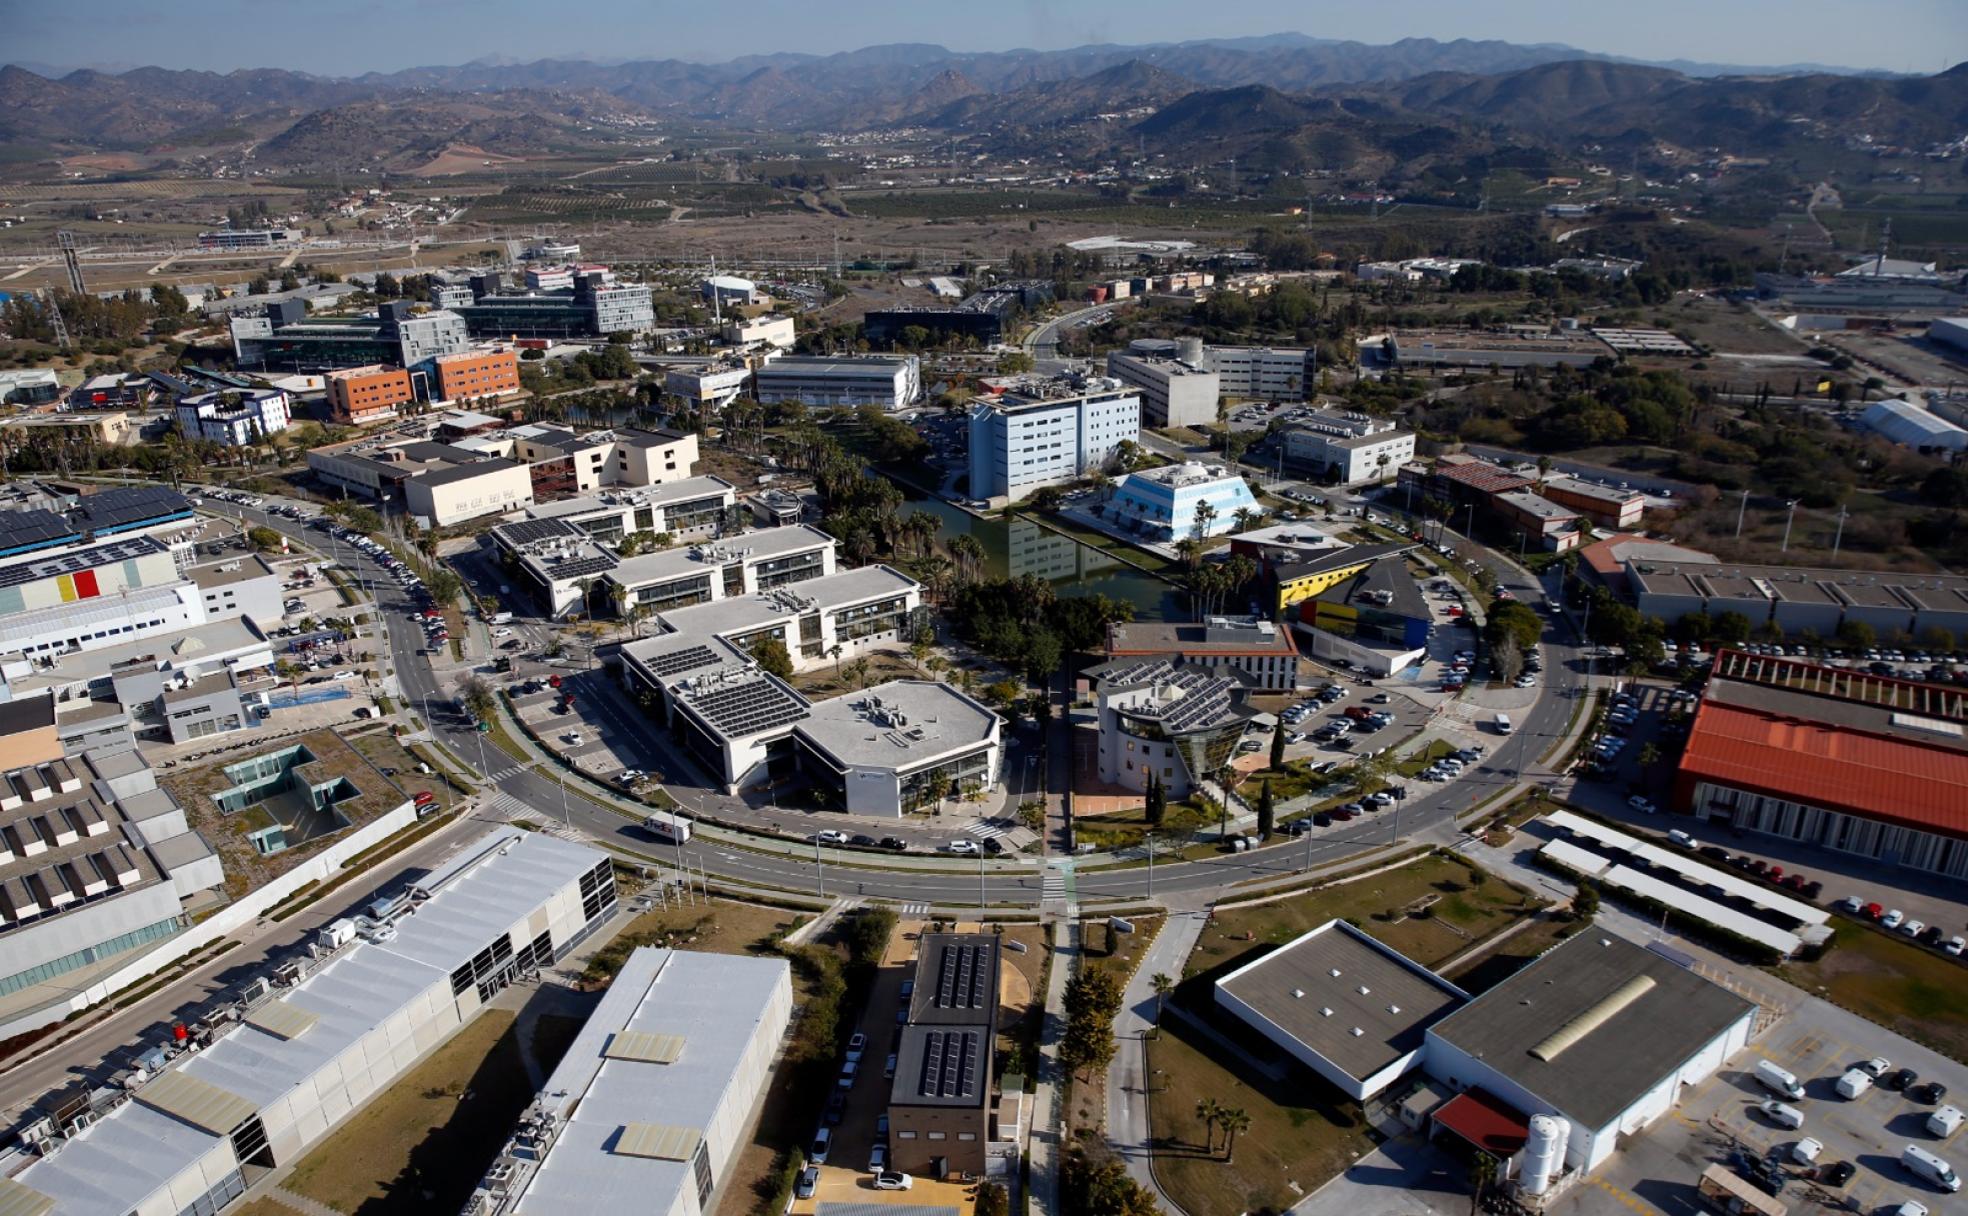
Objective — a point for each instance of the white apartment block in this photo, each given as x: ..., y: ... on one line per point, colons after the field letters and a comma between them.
x: 1348, y: 447
x: 1020, y: 442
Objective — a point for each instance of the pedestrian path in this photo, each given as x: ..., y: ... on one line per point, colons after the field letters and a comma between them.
x: 1059, y: 884
x: 915, y: 909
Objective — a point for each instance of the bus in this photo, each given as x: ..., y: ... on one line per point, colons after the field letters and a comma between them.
x: 1503, y: 724
x: 669, y: 828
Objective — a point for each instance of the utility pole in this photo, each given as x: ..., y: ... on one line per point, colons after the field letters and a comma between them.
x: 1788, y: 520
x: 819, y: 868
x: 1741, y: 507
x: 1840, y: 534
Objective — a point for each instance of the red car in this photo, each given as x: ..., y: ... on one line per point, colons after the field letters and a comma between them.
x: 553, y: 681
x: 1874, y: 911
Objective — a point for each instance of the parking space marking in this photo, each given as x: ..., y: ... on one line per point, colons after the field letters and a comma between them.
x: 1625, y: 1197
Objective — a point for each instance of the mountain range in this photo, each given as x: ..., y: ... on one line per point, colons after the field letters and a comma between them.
x: 1285, y: 101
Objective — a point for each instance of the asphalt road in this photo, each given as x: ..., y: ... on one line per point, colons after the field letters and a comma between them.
x: 1043, y: 342
x: 1427, y: 812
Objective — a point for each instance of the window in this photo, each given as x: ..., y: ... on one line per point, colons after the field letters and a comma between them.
x: 939, y: 1135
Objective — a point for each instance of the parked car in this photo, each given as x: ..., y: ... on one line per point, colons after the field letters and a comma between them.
x: 889, y: 1180
x: 965, y: 848
x: 830, y: 836
x: 809, y: 1181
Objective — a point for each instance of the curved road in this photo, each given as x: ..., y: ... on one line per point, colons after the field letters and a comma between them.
x: 1429, y: 811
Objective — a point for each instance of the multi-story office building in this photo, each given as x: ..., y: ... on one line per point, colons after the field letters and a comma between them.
x: 1168, y: 720
x: 359, y: 396
x: 1173, y: 393
x: 234, y: 417
x: 286, y: 339
x: 1259, y: 649
x: 709, y: 385
x: 688, y: 509
x: 1606, y: 506
x: 1048, y: 432
x: 939, y: 1106
x: 54, y: 602
x: 721, y: 569
x: 490, y: 373
x: 1180, y: 501
x: 592, y: 309
x: 1347, y: 448
x: 880, y: 751
x: 1263, y: 373
x: 761, y: 331
x: 890, y: 381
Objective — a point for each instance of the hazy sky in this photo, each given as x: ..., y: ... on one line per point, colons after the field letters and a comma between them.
x: 346, y: 37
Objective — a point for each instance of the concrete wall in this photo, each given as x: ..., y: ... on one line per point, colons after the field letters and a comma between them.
x: 912, y: 1151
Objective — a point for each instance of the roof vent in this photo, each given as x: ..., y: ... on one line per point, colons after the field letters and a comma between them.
x: 1357, y: 1032
x: 1325, y: 1012
x: 1334, y: 973
x: 1298, y: 993
x: 1364, y: 990
x: 1393, y: 1009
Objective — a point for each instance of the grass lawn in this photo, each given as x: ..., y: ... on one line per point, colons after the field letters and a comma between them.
x: 1126, y: 829
x: 719, y: 927
x: 1294, y: 1136
x: 381, y: 749
x: 1466, y: 906
x: 423, y: 1143
x: 1903, y: 987
x: 1018, y: 1031
x: 883, y: 665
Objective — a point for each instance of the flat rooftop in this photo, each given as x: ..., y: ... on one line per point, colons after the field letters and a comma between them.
x: 1593, y: 1024
x: 899, y: 724
x: 1610, y: 495
x: 1536, y: 505
x: 231, y: 571
x: 1383, y: 579
x: 1348, y: 999
x: 762, y: 545
x: 617, y: 500
x: 714, y: 1004
x: 1217, y: 635
x: 956, y: 980
x: 33, y: 568
x: 207, y: 643
x: 943, y: 1066
x: 840, y: 590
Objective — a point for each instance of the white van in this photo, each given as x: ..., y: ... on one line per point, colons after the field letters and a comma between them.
x: 1944, y: 1122
x: 1503, y: 724
x: 1923, y: 1164
x: 1782, y: 1115
x: 1853, y: 1083
x: 1778, y: 1081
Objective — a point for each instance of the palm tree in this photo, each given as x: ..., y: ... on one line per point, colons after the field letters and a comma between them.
x: 1162, y: 986
x: 834, y: 653
x: 858, y: 672
x: 1209, y: 1110
x: 1482, y: 1172
x: 1234, y: 1120
x: 1244, y: 518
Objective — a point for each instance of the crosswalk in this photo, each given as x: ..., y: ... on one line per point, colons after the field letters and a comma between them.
x: 989, y: 829
x: 1054, y: 886
x: 915, y: 909
x: 504, y: 773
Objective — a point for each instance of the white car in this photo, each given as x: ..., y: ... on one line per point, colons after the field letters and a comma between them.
x: 1806, y: 1151
x: 502, y: 632
x: 1914, y: 928
x: 965, y: 848
x: 573, y: 738
x: 1955, y: 945
x: 830, y: 836
x: 1892, y: 919
x: 343, y: 675
x: 1643, y: 805
x: 1876, y: 1067
x: 890, y: 1181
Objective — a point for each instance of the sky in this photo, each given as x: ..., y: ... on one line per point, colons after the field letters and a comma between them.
x: 348, y: 37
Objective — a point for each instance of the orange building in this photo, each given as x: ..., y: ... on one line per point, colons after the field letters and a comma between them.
x: 361, y: 395
x: 478, y: 374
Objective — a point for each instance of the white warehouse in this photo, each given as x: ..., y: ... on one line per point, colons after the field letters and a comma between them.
x: 647, y: 1111
x: 266, y: 1090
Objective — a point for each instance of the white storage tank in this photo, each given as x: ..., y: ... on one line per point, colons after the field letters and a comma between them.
x: 1544, y: 1153
x: 1189, y: 350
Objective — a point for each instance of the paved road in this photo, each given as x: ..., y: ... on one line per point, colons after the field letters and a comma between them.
x: 541, y: 794
x: 1043, y: 342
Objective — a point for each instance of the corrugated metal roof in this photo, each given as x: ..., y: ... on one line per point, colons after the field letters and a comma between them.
x: 281, y: 1019
x: 644, y: 1047
x: 1903, y: 783
x: 17, y: 1199
x: 660, y: 1141
x: 199, y: 1103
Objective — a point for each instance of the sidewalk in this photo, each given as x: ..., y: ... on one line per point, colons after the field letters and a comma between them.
x: 1128, y: 1128
x: 1046, y: 1142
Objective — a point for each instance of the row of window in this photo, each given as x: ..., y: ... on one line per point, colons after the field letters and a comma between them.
x: 962, y: 1136
x: 87, y: 955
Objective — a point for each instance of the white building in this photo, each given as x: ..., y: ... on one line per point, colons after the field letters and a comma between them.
x: 453, y: 494
x: 890, y: 381
x: 1174, y: 502
x: 1904, y: 422
x: 729, y: 289
x: 876, y: 751
x: 1348, y: 447
x: 736, y: 566
x: 1048, y: 434
x: 234, y: 418
x: 689, y: 509
x: 1951, y: 332
x: 123, y: 590
x: 648, y: 1109
x: 1173, y: 393
x: 303, y: 1057
x: 856, y: 610
x: 711, y: 386
x: 1598, y: 1032
x: 1263, y: 373
x: 773, y: 330
x: 1165, y: 719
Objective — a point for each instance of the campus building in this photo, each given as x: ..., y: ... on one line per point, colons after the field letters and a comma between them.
x: 1180, y: 502
x: 1045, y: 432
x: 889, y: 381
x: 1795, y: 599
x: 558, y: 563
x: 1347, y: 448
x: 375, y: 995
x: 648, y: 1109
x: 892, y: 746
x: 361, y: 396
x: 590, y: 308
x: 476, y: 374
x: 689, y: 509
x: 234, y: 418
x: 286, y: 339
x: 1173, y: 393
x: 1167, y: 719
x: 1855, y: 763
x: 129, y: 587
x: 1375, y: 619
x: 1608, y: 507
x: 1263, y: 373
x: 939, y: 1106
x: 1257, y: 648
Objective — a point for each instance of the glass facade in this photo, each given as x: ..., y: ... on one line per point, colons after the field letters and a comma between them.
x: 88, y: 955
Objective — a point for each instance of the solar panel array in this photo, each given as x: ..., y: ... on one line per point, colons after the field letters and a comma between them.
x: 746, y: 708
x: 34, y: 569
x: 949, y: 1066
x: 963, y: 979
x: 128, y: 505
x: 582, y: 567
x: 1204, y: 702
x: 32, y: 527
x: 526, y: 531
x: 681, y: 660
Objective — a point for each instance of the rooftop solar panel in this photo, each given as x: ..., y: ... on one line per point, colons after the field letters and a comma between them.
x: 682, y: 660
x: 527, y: 531
x: 736, y: 709
x: 33, y: 569
x: 582, y: 567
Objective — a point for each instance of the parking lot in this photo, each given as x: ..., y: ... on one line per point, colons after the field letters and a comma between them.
x: 1817, y: 1042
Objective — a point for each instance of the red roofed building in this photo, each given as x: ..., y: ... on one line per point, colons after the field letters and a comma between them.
x: 1485, y: 1122
x: 1862, y: 764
